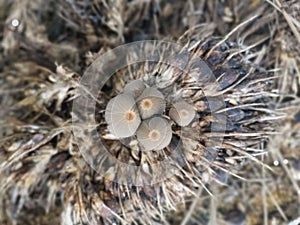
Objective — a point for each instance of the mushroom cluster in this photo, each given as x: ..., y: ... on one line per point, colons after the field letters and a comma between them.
x: 140, y: 111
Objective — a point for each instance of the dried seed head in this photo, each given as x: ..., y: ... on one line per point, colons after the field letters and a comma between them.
x: 154, y: 133
x: 150, y: 103
x: 122, y: 116
x: 134, y: 88
x: 182, y: 113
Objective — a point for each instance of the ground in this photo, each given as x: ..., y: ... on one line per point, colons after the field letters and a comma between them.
x: 38, y: 38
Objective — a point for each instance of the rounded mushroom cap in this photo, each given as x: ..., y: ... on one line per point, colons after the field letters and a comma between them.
x: 154, y: 133
x: 134, y: 88
x: 122, y: 116
x: 150, y: 103
x: 182, y: 113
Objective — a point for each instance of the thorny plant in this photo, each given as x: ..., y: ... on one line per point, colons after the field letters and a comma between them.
x: 42, y: 166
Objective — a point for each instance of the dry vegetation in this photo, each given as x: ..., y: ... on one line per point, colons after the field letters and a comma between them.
x: 45, y: 46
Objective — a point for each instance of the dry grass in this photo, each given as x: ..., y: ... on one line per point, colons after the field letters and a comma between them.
x: 72, y: 33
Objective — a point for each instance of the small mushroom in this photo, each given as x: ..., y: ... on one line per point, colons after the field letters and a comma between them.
x: 134, y: 88
x: 154, y: 133
x: 122, y: 116
x: 150, y: 103
x: 182, y: 113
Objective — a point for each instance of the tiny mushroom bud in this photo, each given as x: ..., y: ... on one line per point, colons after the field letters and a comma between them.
x: 154, y: 133
x: 134, y: 88
x: 182, y: 113
x: 150, y: 103
x: 122, y: 116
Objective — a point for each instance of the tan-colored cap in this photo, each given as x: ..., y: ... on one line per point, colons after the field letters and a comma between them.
x: 134, y: 88
x: 151, y: 102
x: 154, y: 133
x: 182, y: 113
x: 122, y: 116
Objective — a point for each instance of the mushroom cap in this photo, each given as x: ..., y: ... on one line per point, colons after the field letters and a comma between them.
x: 134, y: 88
x: 122, y: 116
x: 150, y: 103
x: 182, y: 113
x: 154, y: 133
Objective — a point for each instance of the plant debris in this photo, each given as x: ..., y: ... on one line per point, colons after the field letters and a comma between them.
x: 252, y: 47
